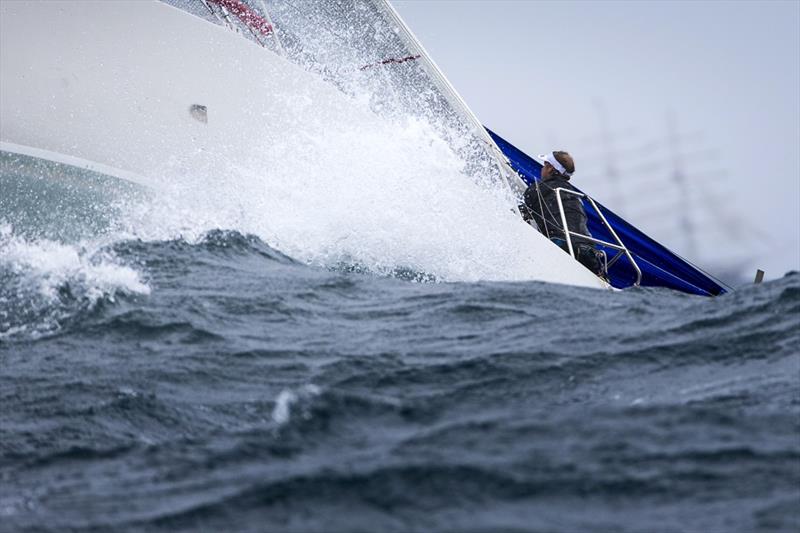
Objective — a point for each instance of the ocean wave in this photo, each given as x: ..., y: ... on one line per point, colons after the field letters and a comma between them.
x: 248, y: 390
x: 46, y: 284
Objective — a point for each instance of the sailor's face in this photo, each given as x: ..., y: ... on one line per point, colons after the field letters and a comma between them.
x: 547, y: 169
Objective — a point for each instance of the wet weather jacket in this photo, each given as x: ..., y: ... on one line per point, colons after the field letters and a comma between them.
x: 546, y: 213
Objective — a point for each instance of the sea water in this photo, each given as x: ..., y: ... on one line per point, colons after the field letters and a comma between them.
x: 219, y: 384
x: 342, y: 332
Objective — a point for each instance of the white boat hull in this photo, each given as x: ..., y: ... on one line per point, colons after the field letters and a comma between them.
x: 142, y: 91
x: 112, y: 84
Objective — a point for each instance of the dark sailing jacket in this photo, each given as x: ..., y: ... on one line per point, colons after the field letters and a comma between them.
x: 546, y: 213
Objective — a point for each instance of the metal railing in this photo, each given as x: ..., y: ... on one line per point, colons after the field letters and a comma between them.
x: 619, y: 247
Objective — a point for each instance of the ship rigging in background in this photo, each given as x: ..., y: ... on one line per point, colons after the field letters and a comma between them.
x: 670, y: 184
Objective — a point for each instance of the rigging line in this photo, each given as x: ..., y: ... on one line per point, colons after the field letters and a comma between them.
x: 205, y: 3
x: 541, y: 209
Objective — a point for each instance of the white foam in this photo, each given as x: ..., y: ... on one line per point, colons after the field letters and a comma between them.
x: 381, y: 193
x: 38, y: 270
x: 51, y: 264
x: 281, y: 412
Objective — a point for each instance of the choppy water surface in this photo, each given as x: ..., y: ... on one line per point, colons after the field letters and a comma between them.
x: 214, y: 383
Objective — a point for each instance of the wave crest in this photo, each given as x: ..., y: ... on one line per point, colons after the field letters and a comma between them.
x: 44, y: 284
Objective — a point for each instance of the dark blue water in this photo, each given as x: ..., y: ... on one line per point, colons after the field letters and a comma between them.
x: 219, y: 385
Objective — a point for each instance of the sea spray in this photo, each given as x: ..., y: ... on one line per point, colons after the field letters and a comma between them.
x: 381, y: 194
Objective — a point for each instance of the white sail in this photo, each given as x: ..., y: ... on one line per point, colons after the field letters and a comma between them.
x: 365, y: 48
x: 452, y: 96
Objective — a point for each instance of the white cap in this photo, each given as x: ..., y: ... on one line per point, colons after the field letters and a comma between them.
x: 551, y: 158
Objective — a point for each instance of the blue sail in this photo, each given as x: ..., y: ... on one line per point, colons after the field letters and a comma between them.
x: 660, y: 267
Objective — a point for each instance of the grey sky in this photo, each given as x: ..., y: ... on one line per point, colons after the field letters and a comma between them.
x: 544, y: 74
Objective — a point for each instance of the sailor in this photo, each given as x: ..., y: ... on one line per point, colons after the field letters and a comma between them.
x: 541, y: 204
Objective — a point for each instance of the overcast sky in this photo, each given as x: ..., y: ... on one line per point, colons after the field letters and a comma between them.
x: 640, y: 92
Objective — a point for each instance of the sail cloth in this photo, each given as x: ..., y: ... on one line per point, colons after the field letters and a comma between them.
x: 368, y: 51
x: 660, y: 267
